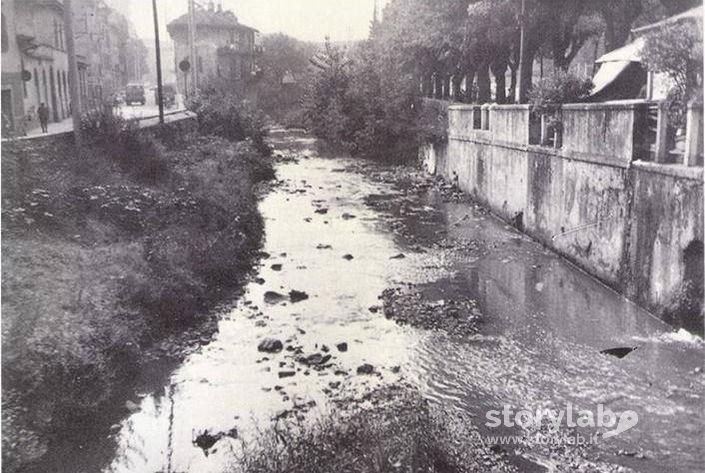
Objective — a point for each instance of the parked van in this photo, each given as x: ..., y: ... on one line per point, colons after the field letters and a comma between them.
x: 134, y: 93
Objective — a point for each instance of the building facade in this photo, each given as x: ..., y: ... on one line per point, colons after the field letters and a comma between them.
x: 225, y: 48
x: 12, y: 84
x: 35, y: 61
x: 113, y: 56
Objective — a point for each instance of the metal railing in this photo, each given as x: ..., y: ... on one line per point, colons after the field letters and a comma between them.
x: 664, y: 143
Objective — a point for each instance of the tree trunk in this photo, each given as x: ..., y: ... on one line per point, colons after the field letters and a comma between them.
x: 438, y: 86
x: 457, y: 80
x: 499, y: 70
x: 484, y: 93
x: 469, y: 83
x: 426, y: 85
x: 527, y: 72
x: 513, y: 83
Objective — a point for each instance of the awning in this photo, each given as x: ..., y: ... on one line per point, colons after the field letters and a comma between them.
x: 630, y: 53
x: 608, y: 73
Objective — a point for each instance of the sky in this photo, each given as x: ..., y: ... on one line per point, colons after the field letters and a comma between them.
x: 309, y: 20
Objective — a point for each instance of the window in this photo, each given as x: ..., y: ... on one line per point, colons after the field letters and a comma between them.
x: 59, y: 85
x: 36, y: 85
x: 5, y: 44
x: 44, y: 83
x: 56, y: 34
x: 24, y: 82
x: 200, y: 64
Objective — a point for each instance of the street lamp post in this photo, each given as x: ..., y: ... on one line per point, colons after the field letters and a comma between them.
x: 160, y: 98
x: 73, y: 72
x: 521, y: 91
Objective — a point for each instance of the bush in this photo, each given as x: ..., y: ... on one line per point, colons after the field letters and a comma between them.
x: 224, y: 113
x: 363, y: 102
x: 433, y: 120
x: 137, y: 152
x: 561, y: 87
x: 677, y: 52
x: 402, y: 432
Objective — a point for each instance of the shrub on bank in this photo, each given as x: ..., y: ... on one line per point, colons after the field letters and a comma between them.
x: 136, y: 151
x: 398, y: 431
x: 363, y: 102
x: 222, y: 112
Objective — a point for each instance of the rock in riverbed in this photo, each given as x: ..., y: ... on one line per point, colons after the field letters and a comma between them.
x: 365, y: 368
x: 273, y: 297
x: 270, y: 345
x: 205, y: 441
x: 315, y: 360
x: 297, y: 296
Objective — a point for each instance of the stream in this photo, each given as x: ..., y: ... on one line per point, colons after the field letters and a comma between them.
x: 544, y: 324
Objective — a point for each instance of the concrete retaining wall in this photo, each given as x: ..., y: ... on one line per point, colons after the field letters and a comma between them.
x: 637, y: 226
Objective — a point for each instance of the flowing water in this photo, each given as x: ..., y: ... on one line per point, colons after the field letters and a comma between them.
x: 545, y: 323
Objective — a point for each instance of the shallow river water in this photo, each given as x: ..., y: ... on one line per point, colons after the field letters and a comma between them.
x: 545, y: 322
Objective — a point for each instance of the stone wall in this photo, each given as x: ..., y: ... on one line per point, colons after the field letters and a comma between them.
x: 636, y: 225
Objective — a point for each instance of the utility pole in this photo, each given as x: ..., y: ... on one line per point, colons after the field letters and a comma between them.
x: 521, y: 91
x: 73, y: 72
x: 160, y: 97
x: 192, y: 45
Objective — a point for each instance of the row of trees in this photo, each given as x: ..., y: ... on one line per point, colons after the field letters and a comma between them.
x: 365, y: 98
x: 452, y: 40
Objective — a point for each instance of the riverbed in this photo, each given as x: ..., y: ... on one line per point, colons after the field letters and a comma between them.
x: 339, y: 233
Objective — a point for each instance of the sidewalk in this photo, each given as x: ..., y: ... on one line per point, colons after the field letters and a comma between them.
x: 146, y: 117
x: 63, y: 126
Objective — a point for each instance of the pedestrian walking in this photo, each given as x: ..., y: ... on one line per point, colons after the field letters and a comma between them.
x: 43, y: 113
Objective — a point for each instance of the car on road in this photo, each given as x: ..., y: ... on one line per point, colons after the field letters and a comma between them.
x: 134, y: 93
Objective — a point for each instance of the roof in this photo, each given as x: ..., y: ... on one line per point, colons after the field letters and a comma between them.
x: 213, y: 18
x: 693, y: 13
x: 632, y: 51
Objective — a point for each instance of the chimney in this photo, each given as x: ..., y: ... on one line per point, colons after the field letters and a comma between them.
x: 211, y: 6
x: 220, y: 6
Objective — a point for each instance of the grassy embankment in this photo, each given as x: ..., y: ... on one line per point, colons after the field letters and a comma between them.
x: 107, y: 252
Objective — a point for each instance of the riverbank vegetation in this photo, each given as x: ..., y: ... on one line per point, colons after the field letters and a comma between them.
x: 388, y: 430
x: 110, y: 252
x: 365, y: 97
x: 284, y: 74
